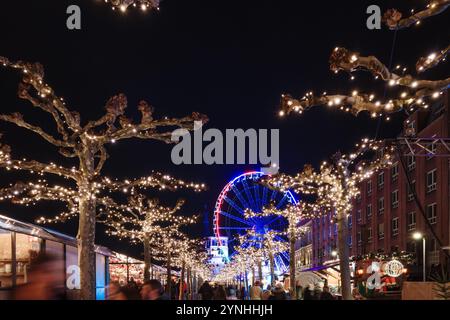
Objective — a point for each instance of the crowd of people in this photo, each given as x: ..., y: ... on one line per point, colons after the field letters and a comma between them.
x: 257, y: 292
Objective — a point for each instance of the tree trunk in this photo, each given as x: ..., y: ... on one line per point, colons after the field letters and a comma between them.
x: 86, y: 248
x: 181, y: 287
x: 147, y: 259
x: 245, y: 281
x: 344, y: 260
x: 189, y: 284
x: 272, y: 269
x: 260, y: 273
x: 169, y: 276
x: 253, y: 276
x: 292, y: 266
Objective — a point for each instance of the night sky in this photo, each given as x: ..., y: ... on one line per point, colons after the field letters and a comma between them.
x: 230, y: 60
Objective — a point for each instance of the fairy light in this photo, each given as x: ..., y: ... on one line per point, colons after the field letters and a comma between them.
x: 124, y: 5
x: 342, y: 59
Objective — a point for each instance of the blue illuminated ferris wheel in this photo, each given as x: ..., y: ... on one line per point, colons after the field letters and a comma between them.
x: 245, y: 192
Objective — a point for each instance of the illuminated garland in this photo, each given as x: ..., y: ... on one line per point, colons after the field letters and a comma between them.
x: 414, y: 96
x: 124, y: 5
x: 432, y: 60
x: 85, y: 144
x: 404, y: 256
x: 393, y: 18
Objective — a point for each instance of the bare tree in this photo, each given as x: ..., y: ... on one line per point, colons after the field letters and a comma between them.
x: 85, y: 144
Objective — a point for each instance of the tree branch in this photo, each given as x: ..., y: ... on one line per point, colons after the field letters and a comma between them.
x: 393, y: 18
x: 425, y: 63
x: 17, y: 119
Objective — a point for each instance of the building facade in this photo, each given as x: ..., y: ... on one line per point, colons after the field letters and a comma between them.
x: 386, y: 213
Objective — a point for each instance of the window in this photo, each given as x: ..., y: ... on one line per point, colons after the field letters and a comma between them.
x: 411, y: 161
x: 350, y: 240
x: 431, y: 180
x: 380, y: 180
x: 411, y: 221
x: 394, y: 171
x: 358, y: 197
x: 395, y: 226
x: 336, y: 226
x: 431, y: 213
x: 349, y: 222
x: 394, y: 199
x: 433, y: 150
x: 369, y: 187
x: 359, y: 234
x: 369, y: 210
x: 369, y: 234
x: 358, y: 215
x: 381, y: 231
x: 411, y: 190
x: 381, y: 205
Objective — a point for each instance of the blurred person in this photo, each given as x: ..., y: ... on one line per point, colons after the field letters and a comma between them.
x: 232, y: 294
x: 256, y: 291
x: 298, y: 291
x: 243, y: 293
x: 326, y: 295
x: 356, y: 294
x: 46, y: 280
x: 267, y: 293
x: 114, y: 292
x: 206, y: 291
x: 279, y: 293
x: 308, y: 293
x: 153, y: 290
x: 219, y: 293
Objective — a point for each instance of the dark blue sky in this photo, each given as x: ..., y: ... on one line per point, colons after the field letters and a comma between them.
x: 229, y: 60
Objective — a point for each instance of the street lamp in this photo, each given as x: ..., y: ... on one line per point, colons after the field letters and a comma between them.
x: 418, y: 236
x: 334, y: 254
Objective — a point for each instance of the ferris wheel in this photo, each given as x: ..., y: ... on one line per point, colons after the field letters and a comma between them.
x: 245, y: 192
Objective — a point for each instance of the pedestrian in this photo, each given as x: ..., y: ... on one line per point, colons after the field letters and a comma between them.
x: 326, y: 295
x: 267, y: 293
x: 153, y: 290
x: 206, y: 291
x: 232, y: 294
x: 45, y: 280
x: 243, y: 293
x: 256, y: 291
x: 308, y: 292
x: 114, y: 292
x: 279, y: 293
x: 220, y: 293
x: 356, y: 294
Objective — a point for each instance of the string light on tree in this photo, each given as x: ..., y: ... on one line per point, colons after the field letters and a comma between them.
x: 124, y: 5
x: 85, y: 145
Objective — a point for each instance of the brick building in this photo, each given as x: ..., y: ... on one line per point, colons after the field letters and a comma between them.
x: 385, y: 215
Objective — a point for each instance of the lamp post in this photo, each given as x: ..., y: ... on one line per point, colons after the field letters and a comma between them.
x: 418, y: 236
